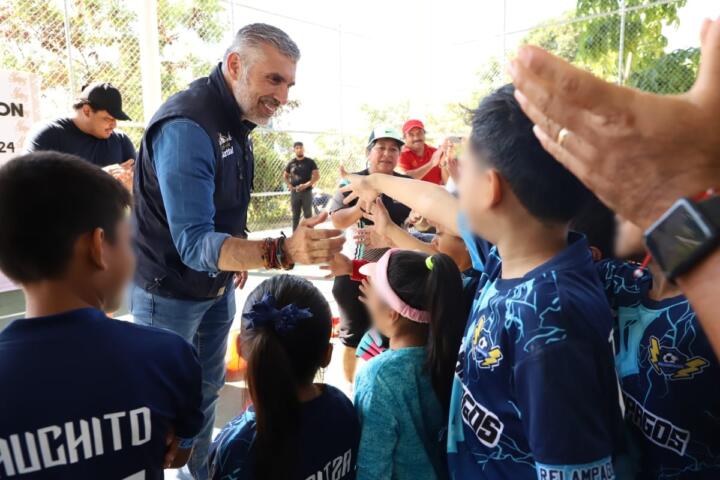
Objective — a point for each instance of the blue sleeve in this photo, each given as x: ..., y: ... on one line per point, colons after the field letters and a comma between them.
x: 619, y: 282
x: 375, y: 403
x: 229, y: 457
x: 477, y: 247
x: 185, y: 166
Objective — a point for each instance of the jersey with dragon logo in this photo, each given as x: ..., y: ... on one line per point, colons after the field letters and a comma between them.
x: 669, y: 377
x: 535, y: 393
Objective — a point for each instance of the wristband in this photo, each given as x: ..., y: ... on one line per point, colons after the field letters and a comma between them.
x: 356, y: 275
x: 282, y: 256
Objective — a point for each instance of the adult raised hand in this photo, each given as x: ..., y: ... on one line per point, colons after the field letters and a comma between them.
x: 310, y: 246
x: 639, y: 152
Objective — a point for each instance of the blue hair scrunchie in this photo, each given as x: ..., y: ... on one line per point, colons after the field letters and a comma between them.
x: 264, y: 314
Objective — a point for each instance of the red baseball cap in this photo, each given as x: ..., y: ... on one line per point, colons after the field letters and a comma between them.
x: 410, y: 124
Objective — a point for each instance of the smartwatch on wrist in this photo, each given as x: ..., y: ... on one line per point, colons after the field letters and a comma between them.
x: 685, y: 234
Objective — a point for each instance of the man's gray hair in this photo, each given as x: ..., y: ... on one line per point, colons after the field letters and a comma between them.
x: 254, y: 35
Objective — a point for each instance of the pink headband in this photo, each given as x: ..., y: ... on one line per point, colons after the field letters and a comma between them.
x: 378, y: 272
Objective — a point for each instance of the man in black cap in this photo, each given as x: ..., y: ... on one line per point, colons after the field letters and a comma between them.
x: 90, y: 133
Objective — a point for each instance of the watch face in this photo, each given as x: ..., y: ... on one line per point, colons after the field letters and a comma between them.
x: 678, y: 236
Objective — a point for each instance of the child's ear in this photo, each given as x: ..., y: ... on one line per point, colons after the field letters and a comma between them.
x: 495, y: 192
x: 96, y: 248
x: 328, y: 356
x: 394, y: 316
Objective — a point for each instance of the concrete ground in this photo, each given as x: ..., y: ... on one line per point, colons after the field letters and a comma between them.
x: 233, y: 395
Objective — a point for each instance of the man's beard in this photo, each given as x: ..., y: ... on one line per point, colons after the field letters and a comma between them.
x: 250, y: 105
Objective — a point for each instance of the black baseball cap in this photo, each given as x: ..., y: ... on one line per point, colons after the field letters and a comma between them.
x: 103, y: 96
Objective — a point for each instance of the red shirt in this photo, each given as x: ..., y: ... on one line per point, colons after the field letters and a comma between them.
x: 410, y: 161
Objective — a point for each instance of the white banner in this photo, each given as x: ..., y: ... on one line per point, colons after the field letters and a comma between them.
x: 19, y: 110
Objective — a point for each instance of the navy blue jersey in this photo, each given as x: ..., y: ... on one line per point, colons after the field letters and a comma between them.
x: 84, y: 396
x: 329, y: 437
x: 535, y: 392
x: 62, y: 135
x: 669, y: 377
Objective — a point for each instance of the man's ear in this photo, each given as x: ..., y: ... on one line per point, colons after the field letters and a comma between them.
x: 86, y: 110
x: 96, y: 248
x: 328, y: 356
x: 233, y: 65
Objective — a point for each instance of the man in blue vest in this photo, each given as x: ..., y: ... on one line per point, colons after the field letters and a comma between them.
x: 192, y: 190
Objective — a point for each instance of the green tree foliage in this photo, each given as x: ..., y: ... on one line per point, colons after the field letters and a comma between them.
x: 104, y: 44
x: 671, y: 73
x: 643, y: 38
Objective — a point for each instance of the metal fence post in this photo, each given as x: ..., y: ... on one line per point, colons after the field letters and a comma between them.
x: 621, y: 45
x: 68, y: 47
x: 149, y: 57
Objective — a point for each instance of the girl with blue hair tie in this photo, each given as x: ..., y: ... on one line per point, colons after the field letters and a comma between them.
x: 294, y: 428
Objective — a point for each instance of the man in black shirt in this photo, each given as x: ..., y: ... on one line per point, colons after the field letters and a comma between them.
x: 301, y: 174
x: 90, y: 133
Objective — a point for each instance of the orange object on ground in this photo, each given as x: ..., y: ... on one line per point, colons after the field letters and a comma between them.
x: 236, y: 365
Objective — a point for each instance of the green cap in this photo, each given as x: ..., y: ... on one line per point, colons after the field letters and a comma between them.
x: 385, y: 132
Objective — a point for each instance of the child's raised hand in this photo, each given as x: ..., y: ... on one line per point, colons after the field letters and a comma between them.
x: 379, y: 215
x: 364, y: 289
x: 339, y: 266
x: 357, y: 187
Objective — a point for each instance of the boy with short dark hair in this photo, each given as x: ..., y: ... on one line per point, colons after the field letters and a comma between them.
x: 83, y: 396
x: 535, y: 391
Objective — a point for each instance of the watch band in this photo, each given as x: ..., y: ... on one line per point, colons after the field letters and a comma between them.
x: 710, y: 208
x: 685, y: 234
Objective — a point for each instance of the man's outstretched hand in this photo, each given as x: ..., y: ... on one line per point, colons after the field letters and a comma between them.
x: 311, y: 246
x: 639, y: 152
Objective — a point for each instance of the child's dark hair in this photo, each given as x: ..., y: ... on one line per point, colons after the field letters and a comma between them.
x: 597, y: 223
x: 502, y: 137
x: 439, y: 292
x: 47, y: 201
x: 279, y: 362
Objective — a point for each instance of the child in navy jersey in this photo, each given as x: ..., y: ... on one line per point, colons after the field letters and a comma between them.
x: 535, y: 392
x: 294, y: 429
x: 83, y: 396
x: 667, y: 369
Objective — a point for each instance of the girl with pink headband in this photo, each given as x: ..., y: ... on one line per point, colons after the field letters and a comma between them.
x: 402, y: 395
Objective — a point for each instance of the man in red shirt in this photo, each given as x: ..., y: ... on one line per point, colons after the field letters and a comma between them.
x: 416, y: 159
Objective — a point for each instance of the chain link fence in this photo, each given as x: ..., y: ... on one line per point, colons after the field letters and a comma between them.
x: 69, y: 43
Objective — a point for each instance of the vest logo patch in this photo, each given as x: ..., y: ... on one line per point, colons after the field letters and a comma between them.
x: 672, y: 363
x: 656, y: 429
x: 225, y: 143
